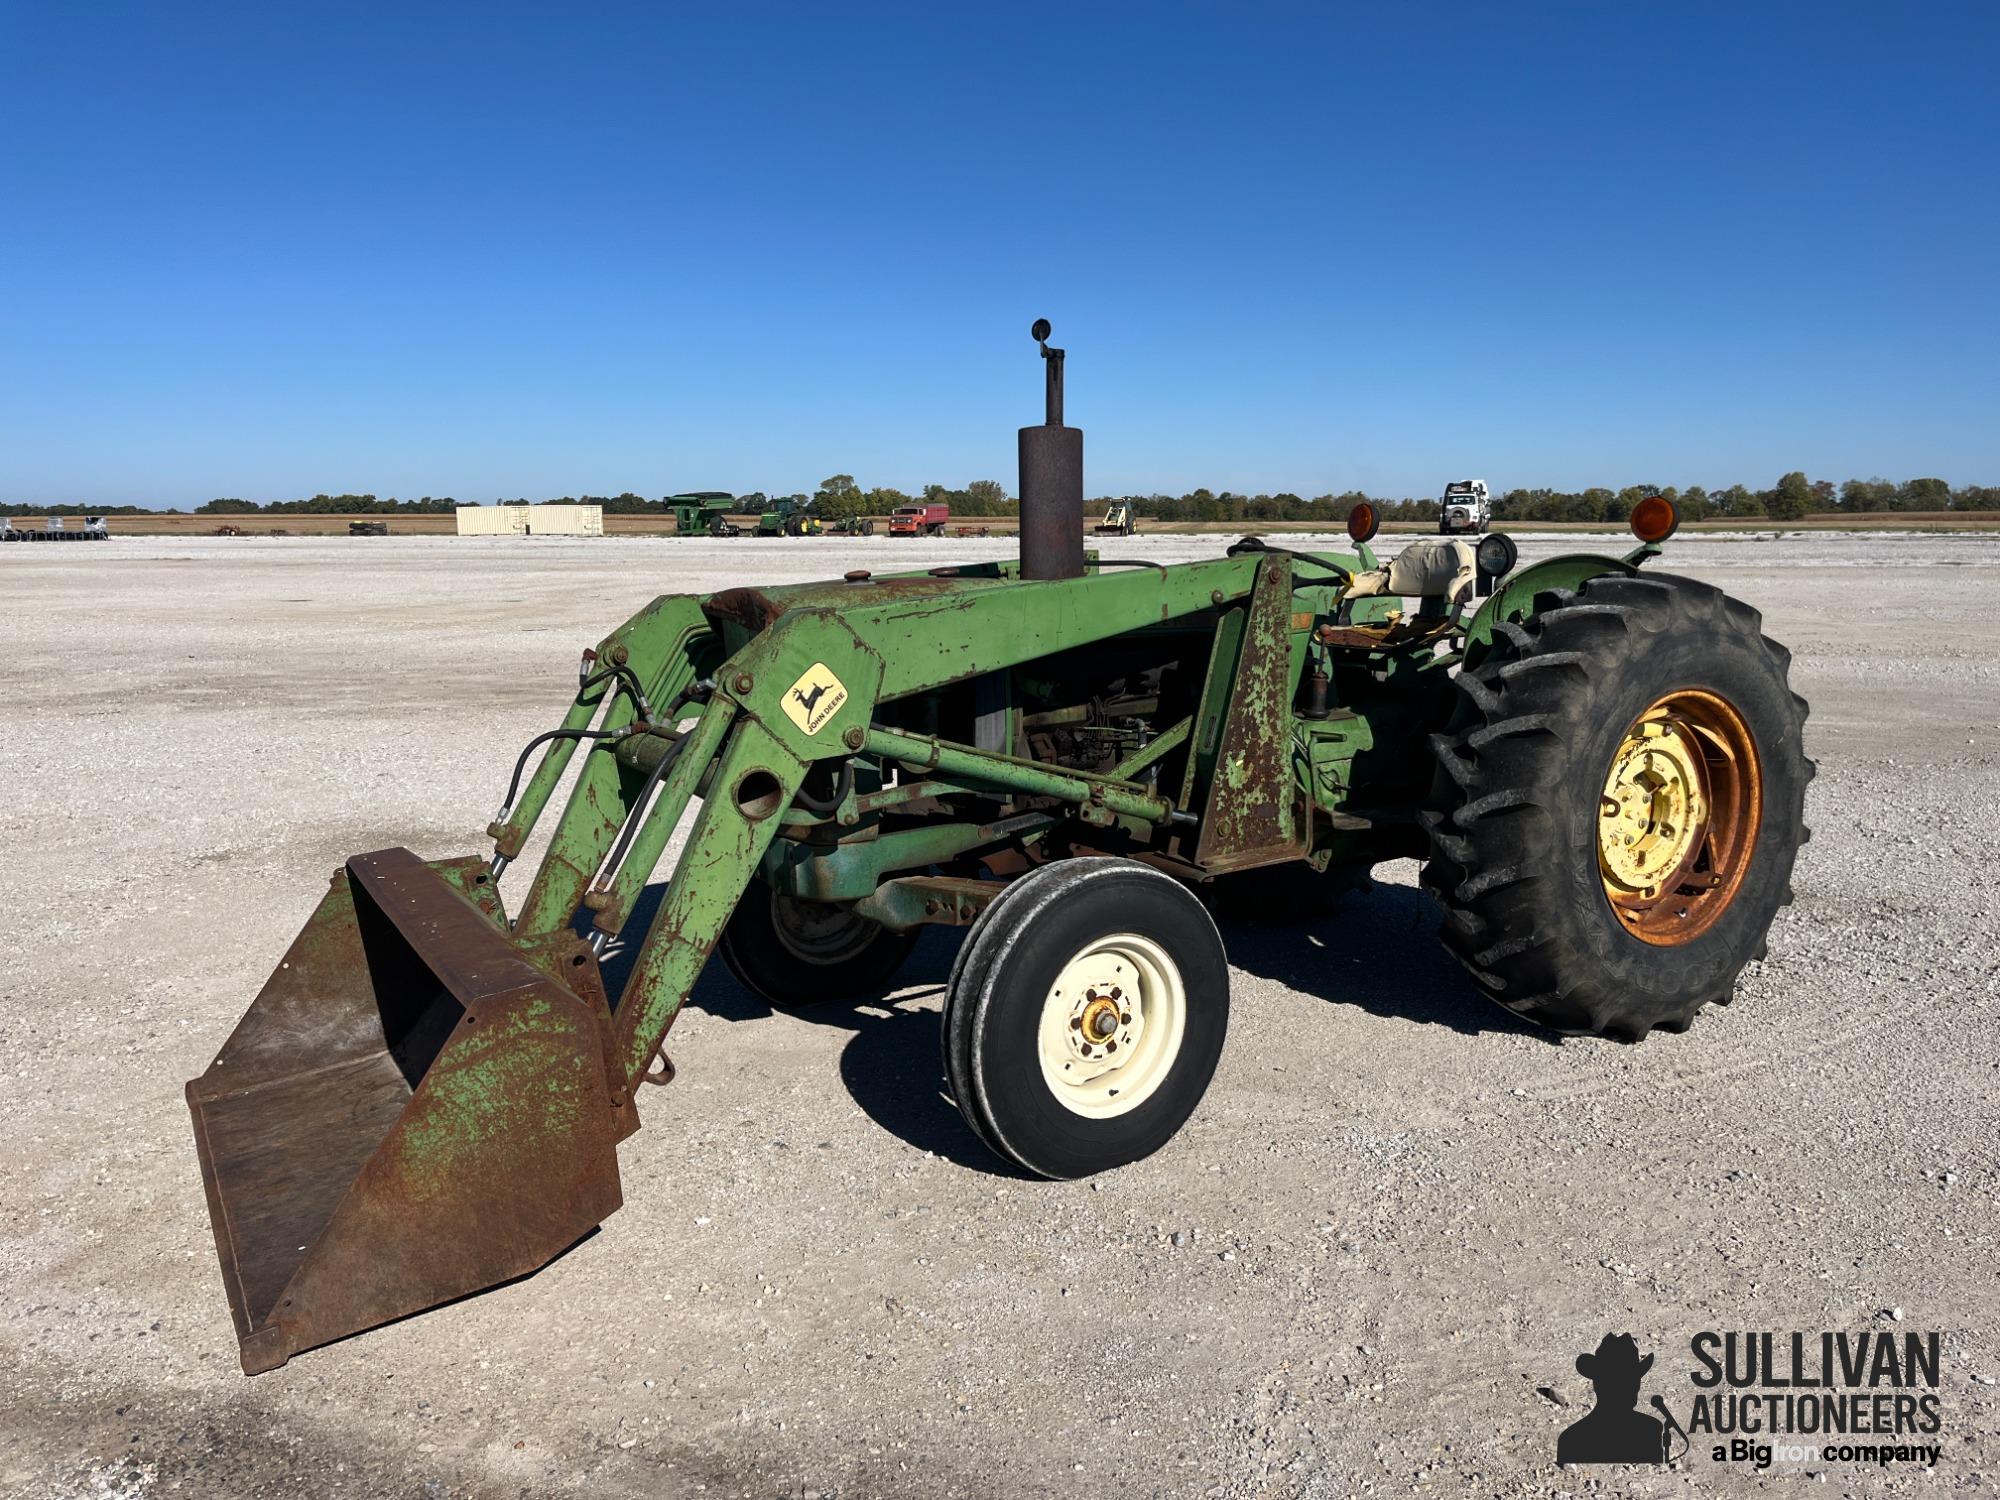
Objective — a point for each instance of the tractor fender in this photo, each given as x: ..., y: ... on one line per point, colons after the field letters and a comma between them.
x: 1515, y: 598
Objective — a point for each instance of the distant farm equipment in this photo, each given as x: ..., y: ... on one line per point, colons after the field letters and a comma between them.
x: 53, y: 529
x: 1117, y: 520
x: 703, y: 513
x: 367, y: 528
x: 785, y: 516
x: 919, y: 520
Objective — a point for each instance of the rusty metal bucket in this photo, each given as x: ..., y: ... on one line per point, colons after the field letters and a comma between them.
x: 415, y: 1107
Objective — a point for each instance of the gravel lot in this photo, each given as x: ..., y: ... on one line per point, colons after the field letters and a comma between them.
x: 1397, y: 1215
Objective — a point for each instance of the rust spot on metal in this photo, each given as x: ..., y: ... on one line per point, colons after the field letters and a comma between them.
x: 1250, y: 818
x: 751, y: 608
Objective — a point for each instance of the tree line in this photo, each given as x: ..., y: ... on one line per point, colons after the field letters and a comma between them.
x: 1792, y: 498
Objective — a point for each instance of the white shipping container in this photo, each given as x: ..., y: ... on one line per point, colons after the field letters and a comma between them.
x: 491, y: 520
x: 531, y: 520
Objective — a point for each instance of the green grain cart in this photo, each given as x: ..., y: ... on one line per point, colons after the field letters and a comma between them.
x: 702, y: 513
x: 1602, y: 767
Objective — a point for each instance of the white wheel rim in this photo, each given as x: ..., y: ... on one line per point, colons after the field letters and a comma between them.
x: 1112, y: 1026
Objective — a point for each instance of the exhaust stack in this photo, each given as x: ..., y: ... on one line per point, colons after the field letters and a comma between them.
x: 1051, y: 481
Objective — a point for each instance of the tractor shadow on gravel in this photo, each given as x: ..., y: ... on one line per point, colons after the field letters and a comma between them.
x: 1376, y: 950
x: 892, y: 1068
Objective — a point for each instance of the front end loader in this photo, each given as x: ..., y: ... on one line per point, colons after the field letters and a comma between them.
x: 1602, y: 768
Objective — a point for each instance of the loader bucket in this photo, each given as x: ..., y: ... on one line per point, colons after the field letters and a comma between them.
x: 412, y: 1109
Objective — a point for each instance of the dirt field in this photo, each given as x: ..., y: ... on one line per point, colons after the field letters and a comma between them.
x: 1366, y: 1266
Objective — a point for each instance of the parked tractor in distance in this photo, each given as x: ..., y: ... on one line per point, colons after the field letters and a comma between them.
x: 784, y: 516
x: 1117, y: 520
x: 853, y: 526
x: 703, y: 513
x: 367, y: 528
x: 1465, y: 507
x: 919, y: 520
x: 1602, y: 766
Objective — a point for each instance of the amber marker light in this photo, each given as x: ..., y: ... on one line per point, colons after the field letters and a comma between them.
x: 1654, y: 519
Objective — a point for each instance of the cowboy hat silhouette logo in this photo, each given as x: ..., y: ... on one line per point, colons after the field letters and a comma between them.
x: 1612, y: 1432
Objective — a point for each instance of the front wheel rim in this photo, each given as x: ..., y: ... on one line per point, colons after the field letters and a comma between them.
x: 1112, y: 1025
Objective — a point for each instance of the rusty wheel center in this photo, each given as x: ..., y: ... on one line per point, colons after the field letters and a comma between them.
x: 1100, y: 1019
x: 1677, y: 818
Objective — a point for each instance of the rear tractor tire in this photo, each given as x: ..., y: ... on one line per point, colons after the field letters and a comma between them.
x: 793, y: 952
x: 1085, y: 1016
x: 1618, y: 805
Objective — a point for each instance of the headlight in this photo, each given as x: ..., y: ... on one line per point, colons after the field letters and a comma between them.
x: 1497, y: 554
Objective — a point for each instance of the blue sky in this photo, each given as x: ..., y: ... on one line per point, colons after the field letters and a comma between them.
x: 489, y: 250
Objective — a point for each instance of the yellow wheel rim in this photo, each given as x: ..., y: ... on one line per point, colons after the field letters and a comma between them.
x: 1677, y: 816
x: 1654, y: 808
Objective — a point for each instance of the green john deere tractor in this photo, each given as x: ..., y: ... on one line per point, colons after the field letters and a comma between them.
x: 785, y: 516
x: 1602, y: 767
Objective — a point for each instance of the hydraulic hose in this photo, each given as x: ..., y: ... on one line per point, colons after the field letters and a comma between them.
x: 1258, y: 544
x: 521, y: 764
x: 639, y: 804
x: 842, y: 787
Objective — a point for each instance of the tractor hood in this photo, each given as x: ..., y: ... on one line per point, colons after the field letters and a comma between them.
x: 757, y: 609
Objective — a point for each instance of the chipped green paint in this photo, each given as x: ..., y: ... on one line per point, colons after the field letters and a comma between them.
x: 494, y: 1098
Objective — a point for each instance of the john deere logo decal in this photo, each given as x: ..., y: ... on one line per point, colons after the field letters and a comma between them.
x: 814, y: 698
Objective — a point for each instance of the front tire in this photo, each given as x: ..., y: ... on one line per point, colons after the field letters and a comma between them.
x: 1085, y: 1016
x: 1618, y: 805
x: 794, y: 953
